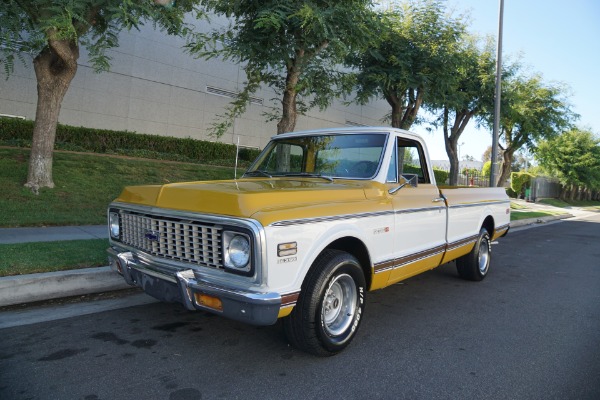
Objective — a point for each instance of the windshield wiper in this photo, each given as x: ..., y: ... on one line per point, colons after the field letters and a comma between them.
x: 308, y: 175
x: 257, y: 172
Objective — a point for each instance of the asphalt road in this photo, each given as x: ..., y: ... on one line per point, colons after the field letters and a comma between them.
x: 530, y: 330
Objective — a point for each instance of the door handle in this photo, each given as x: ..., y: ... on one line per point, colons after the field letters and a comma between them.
x: 439, y: 199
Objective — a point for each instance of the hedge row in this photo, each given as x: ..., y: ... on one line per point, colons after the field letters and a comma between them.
x: 19, y: 132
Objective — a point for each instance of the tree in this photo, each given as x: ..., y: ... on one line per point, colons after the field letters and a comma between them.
x: 531, y: 111
x: 410, y: 61
x: 468, y: 94
x: 487, y: 154
x: 574, y: 158
x: 53, y: 32
x: 486, y: 169
x: 295, y: 47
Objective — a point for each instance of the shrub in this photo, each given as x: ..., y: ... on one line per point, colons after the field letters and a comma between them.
x: 519, y: 181
x: 18, y: 132
x: 441, y: 176
x: 511, y: 193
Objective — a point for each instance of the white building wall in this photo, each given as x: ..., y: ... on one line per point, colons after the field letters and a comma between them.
x: 154, y: 87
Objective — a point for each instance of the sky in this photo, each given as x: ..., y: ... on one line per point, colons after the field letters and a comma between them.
x: 558, y: 39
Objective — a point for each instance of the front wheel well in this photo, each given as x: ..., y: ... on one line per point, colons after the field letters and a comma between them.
x: 357, y: 248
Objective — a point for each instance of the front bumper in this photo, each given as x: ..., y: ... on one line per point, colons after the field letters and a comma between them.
x: 185, y: 287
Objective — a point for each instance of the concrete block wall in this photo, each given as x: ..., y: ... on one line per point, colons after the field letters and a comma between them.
x: 154, y: 87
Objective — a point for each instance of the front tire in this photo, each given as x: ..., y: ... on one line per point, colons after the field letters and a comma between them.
x: 330, y: 307
x: 475, y: 265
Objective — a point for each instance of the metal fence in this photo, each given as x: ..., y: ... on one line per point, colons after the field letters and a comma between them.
x: 473, y: 178
x: 544, y: 187
x: 470, y: 178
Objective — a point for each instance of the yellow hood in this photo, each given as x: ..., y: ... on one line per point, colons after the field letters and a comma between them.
x: 245, y: 197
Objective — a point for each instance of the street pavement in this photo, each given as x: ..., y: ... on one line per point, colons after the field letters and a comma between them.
x: 30, y: 288
x: 528, y: 331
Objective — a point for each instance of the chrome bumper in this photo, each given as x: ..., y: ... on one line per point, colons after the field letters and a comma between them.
x: 185, y: 287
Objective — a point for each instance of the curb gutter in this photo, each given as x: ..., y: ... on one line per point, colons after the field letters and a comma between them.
x: 539, y: 220
x: 30, y: 288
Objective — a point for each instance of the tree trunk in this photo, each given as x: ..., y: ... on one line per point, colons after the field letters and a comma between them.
x: 397, y: 107
x: 287, y: 123
x: 55, y: 68
x: 507, y: 159
x: 397, y: 115
x: 289, y: 113
x: 412, y: 109
x: 451, y: 143
x: 451, y: 136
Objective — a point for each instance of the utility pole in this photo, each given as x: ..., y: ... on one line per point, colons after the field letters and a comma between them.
x: 496, y: 134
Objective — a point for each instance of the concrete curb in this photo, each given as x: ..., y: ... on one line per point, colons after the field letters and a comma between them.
x: 53, y: 285
x: 539, y: 220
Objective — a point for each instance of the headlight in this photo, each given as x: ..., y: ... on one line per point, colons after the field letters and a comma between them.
x: 237, y: 251
x: 113, y: 223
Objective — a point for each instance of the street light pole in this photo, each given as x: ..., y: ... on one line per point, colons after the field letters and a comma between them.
x: 495, y: 136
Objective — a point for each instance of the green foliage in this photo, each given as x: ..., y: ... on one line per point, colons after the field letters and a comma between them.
x: 412, y: 60
x: 294, y: 47
x: 441, y: 176
x: 18, y: 132
x: 519, y: 181
x: 486, y: 170
x: 573, y: 157
x: 470, y: 171
x: 531, y: 111
x: 511, y: 193
x: 29, y: 27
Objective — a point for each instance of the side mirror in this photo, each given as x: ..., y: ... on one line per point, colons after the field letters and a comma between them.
x: 409, y: 179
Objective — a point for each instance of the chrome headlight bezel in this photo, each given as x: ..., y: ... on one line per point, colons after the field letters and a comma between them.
x: 114, y: 224
x: 237, y: 252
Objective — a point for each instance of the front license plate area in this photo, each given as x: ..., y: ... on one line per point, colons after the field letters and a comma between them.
x: 158, y: 288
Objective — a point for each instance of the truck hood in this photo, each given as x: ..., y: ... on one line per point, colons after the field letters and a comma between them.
x: 245, y: 197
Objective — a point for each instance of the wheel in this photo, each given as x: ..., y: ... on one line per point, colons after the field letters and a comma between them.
x: 475, y: 265
x: 330, y: 307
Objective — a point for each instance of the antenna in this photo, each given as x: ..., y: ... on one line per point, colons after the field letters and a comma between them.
x: 237, y: 152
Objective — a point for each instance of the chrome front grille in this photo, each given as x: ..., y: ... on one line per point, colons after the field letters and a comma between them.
x: 182, y: 240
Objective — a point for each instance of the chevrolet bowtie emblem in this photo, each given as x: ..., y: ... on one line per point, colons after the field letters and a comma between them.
x: 152, y: 236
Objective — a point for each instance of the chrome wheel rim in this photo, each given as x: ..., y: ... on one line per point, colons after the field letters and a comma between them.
x: 339, y: 305
x: 484, y: 256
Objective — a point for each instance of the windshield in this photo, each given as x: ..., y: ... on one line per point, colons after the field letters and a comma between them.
x: 334, y: 156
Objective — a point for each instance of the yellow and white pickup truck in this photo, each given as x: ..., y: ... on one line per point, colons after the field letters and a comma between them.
x: 318, y: 220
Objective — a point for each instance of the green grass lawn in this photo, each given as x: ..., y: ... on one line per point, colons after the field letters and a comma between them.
x: 588, y: 205
x: 521, y: 211
x: 84, y: 186
x: 29, y: 258
x: 517, y: 215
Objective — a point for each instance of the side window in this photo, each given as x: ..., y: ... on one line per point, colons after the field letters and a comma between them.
x: 392, y: 175
x: 411, y: 159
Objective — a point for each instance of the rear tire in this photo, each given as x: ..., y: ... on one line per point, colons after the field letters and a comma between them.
x: 475, y: 265
x: 330, y: 307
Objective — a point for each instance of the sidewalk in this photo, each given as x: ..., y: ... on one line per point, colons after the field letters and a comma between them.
x: 52, y: 234
x: 40, y: 287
